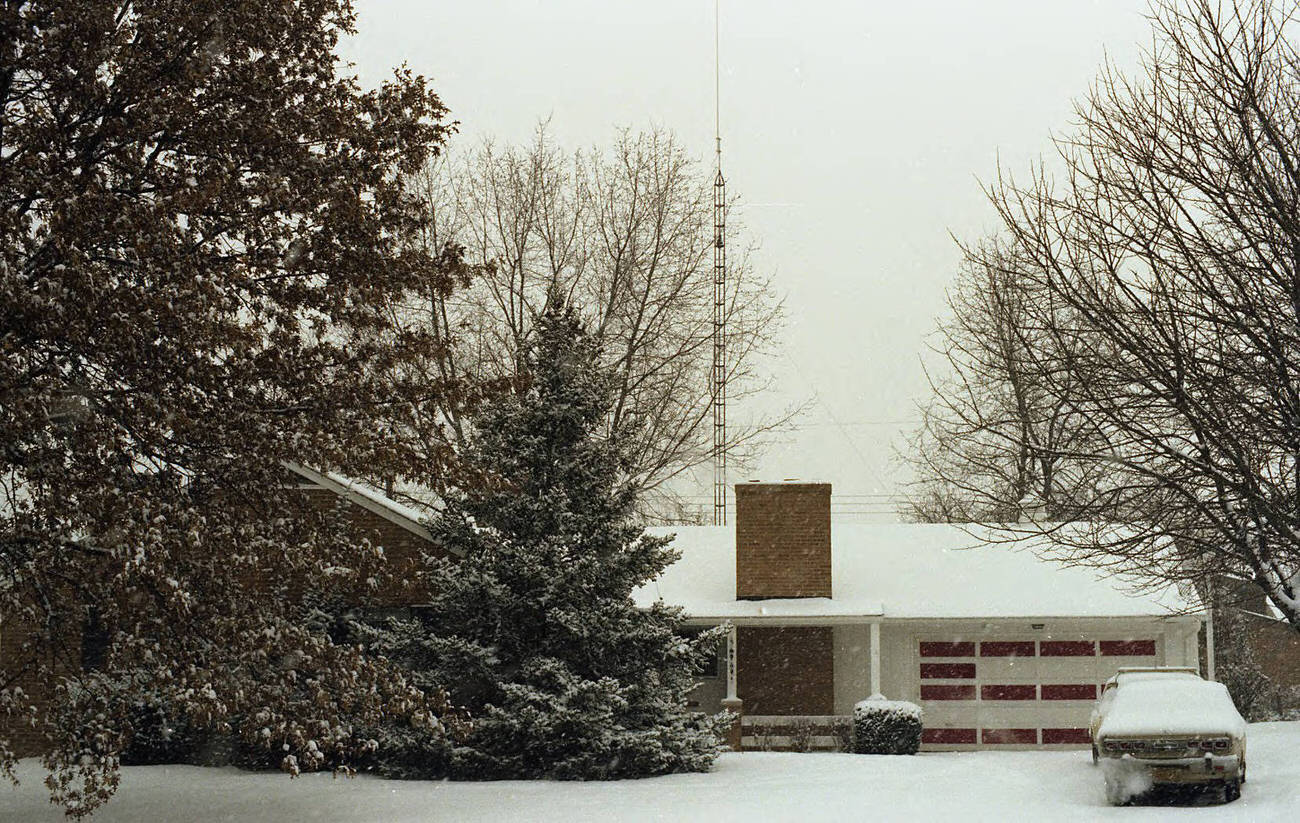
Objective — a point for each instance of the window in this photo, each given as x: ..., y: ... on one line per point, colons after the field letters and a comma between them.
x: 94, y: 642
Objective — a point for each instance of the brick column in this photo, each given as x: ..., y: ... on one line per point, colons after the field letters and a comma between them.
x: 737, y: 708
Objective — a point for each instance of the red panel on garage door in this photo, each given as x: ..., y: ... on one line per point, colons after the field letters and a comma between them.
x: 1069, y: 691
x: 1132, y: 648
x: 1010, y: 735
x: 948, y: 736
x: 931, y: 671
x: 1066, y: 736
x: 931, y: 649
x: 1002, y: 683
x: 935, y: 692
x: 1007, y: 648
x: 1017, y: 692
x: 1067, y: 648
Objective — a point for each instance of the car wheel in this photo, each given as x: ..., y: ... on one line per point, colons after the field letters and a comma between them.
x: 1242, y: 771
x: 1231, y: 790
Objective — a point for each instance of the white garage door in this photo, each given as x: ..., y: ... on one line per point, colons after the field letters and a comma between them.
x: 1018, y: 691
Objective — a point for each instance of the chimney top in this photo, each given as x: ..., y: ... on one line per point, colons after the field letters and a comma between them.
x: 783, y: 540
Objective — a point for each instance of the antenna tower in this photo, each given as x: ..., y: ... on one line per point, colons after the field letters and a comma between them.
x: 718, y: 376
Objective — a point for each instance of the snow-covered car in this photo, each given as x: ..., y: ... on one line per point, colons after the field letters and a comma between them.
x: 1128, y: 674
x: 1167, y: 726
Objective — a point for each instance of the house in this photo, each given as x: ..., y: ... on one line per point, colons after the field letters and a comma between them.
x: 999, y: 647
x: 367, y: 512
x: 396, y: 527
x: 1253, y: 642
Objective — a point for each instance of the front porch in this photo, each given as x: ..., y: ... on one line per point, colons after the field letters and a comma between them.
x: 792, y: 680
x: 793, y: 666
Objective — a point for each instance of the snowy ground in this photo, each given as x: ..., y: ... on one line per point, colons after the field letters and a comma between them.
x: 992, y: 786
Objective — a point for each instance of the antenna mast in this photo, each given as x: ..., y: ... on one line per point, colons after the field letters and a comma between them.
x: 718, y: 376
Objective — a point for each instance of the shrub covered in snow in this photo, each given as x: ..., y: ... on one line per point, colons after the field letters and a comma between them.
x: 161, y: 734
x: 883, y: 726
x: 402, y: 751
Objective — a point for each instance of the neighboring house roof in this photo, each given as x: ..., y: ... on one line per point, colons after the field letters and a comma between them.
x: 906, y: 571
x: 366, y: 497
x: 1246, y: 597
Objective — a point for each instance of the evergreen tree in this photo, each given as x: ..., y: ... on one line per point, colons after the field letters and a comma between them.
x: 563, y: 675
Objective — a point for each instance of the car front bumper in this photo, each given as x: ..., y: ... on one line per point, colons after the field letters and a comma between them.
x: 1203, y: 769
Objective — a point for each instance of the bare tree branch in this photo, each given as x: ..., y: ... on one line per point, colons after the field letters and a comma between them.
x: 626, y: 232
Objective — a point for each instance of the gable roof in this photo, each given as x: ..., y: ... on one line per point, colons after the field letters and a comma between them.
x: 366, y: 497
x: 908, y: 571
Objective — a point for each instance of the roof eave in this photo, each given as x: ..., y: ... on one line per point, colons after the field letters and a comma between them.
x: 365, y: 501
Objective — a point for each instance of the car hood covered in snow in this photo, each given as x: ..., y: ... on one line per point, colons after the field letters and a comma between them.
x: 1173, y: 706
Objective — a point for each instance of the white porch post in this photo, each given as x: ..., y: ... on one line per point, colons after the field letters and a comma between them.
x: 731, y: 662
x: 732, y: 702
x: 875, y: 657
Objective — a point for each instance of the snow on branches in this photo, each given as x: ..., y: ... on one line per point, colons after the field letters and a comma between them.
x: 200, y: 226
x: 535, y: 630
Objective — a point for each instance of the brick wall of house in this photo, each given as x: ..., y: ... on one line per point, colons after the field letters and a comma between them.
x: 1273, y: 643
x: 402, y: 547
x: 786, y: 670
x: 1277, y: 650
x: 783, y: 540
x: 23, y: 738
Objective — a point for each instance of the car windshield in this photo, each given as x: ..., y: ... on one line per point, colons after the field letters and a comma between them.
x: 1126, y: 677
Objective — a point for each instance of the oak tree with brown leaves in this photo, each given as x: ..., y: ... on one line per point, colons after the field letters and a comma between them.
x: 199, y: 223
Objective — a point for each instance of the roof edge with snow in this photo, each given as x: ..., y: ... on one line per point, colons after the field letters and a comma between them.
x: 372, y: 500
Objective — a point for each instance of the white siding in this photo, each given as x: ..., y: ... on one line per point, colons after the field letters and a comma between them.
x: 852, y: 666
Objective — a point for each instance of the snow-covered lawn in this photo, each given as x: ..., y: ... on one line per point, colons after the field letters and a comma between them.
x: 992, y: 786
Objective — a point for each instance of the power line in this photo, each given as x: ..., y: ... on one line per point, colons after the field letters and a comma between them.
x: 855, y: 423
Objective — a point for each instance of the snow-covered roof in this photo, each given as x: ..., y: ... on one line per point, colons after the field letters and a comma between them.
x: 376, y: 496
x: 906, y: 571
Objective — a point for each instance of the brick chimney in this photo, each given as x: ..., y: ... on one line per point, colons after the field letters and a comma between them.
x: 783, y: 540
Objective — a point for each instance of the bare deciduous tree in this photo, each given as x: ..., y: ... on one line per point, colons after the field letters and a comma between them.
x: 626, y: 232
x: 1172, y: 244
x: 997, y: 435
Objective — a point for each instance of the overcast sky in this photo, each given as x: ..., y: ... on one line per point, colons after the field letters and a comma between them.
x: 856, y: 135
